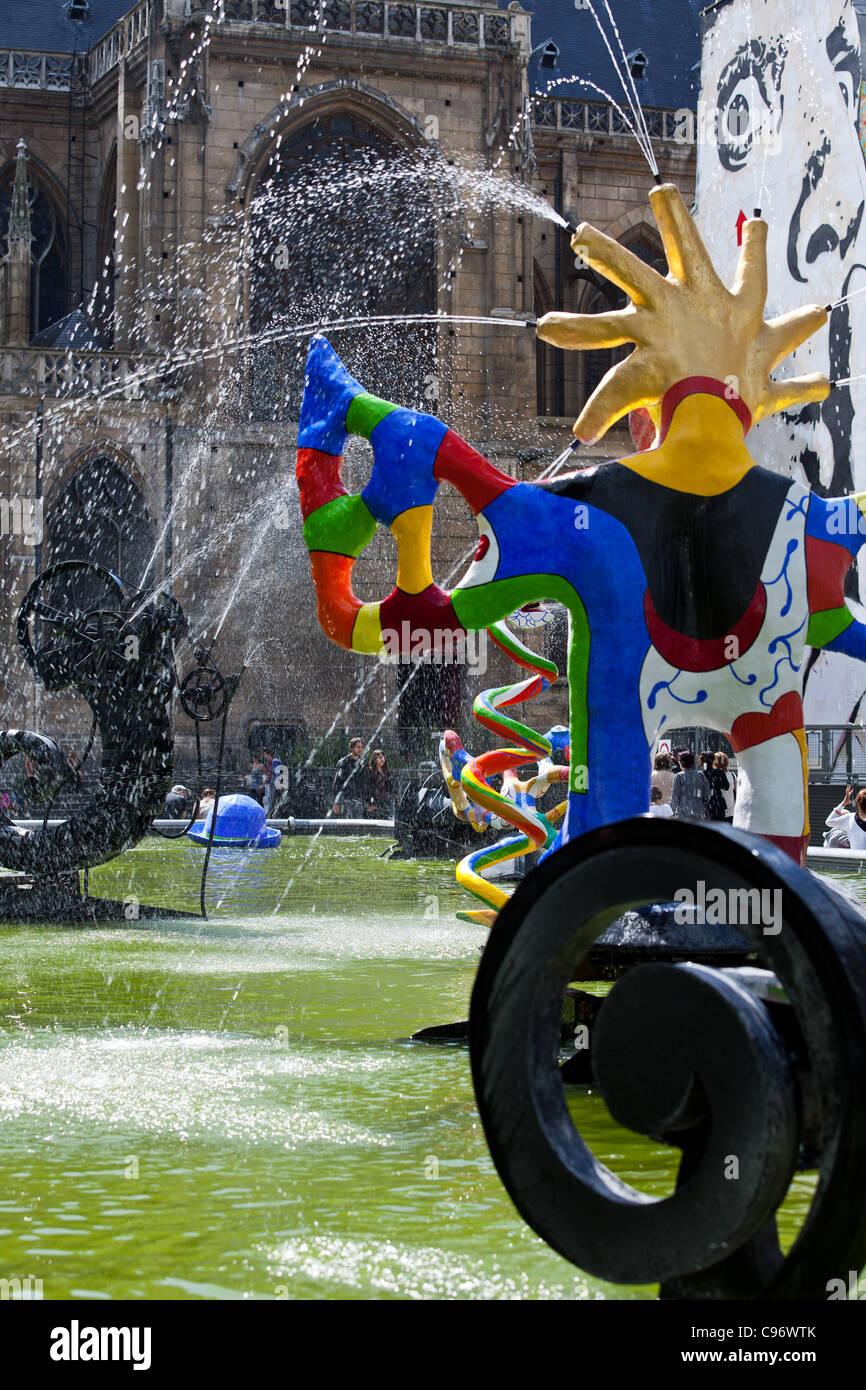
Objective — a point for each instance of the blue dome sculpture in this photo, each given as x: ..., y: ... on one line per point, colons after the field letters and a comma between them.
x: 240, y: 823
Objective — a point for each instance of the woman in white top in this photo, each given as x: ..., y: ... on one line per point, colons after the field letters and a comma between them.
x: 852, y: 822
x: 663, y: 776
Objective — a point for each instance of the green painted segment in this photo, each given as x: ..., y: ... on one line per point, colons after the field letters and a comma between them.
x: 342, y: 526
x: 486, y: 604
x: 365, y: 413
x: 504, y: 637
x: 579, y: 643
x: 825, y: 627
x: 485, y: 711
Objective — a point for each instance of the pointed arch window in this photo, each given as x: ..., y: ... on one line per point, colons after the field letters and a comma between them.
x: 48, y: 250
x: 341, y: 227
x: 101, y: 515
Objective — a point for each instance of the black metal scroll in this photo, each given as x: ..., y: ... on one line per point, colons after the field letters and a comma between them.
x: 687, y: 1054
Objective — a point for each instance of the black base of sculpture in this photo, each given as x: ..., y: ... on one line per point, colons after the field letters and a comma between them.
x: 425, y: 826
x: 740, y: 1085
x: 655, y: 933
x: 58, y: 901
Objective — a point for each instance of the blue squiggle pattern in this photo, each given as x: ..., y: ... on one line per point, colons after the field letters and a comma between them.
x: 743, y: 680
x: 783, y: 574
x: 669, y: 686
x: 784, y: 641
x: 795, y: 507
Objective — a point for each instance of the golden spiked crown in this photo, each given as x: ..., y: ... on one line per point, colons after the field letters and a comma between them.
x: 685, y: 324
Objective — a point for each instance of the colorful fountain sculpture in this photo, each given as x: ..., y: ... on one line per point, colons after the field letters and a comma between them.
x: 695, y: 581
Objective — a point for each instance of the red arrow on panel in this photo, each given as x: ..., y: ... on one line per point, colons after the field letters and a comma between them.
x: 741, y: 221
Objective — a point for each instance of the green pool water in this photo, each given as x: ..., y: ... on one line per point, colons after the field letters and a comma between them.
x: 232, y: 1108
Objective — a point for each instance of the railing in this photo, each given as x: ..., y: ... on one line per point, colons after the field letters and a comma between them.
x: 602, y: 118
x: 42, y: 372
x: 47, y: 72
x: 119, y: 41
x: 451, y: 25
x: 837, y: 753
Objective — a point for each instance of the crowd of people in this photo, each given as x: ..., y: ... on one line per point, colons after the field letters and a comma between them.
x: 362, y: 788
x: 686, y: 792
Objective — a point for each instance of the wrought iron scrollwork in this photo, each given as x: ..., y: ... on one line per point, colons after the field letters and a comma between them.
x: 687, y: 1054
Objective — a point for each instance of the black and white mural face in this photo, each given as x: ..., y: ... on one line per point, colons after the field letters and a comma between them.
x: 778, y: 130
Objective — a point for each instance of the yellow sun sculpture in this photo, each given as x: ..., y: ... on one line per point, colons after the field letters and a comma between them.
x: 686, y: 324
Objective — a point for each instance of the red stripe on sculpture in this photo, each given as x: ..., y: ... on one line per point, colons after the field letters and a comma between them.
x: 702, y: 386
x: 458, y: 463
x: 318, y: 479
x: 793, y: 845
x: 826, y: 566
x: 705, y: 654
x: 417, y: 618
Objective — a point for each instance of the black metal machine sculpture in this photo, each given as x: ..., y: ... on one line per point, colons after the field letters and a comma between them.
x: 83, y: 629
x: 747, y: 1089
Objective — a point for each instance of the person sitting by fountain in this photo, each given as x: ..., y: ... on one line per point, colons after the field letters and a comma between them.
x: 851, y: 820
x: 348, y: 792
x: 177, y: 803
x: 378, y: 801
x: 691, y: 791
x: 206, y: 800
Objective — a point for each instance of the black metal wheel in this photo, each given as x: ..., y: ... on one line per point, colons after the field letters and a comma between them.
x: 70, y: 617
x: 203, y: 694
x: 686, y: 1054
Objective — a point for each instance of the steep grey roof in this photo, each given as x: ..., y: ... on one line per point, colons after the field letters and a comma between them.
x: 42, y: 27
x: 72, y: 331
x: 668, y: 32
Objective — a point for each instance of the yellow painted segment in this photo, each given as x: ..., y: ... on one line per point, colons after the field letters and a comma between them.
x: 479, y: 916
x: 860, y: 499
x: 412, y: 530
x: 685, y: 461
x: 367, y: 632
x: 480, y: 887
x: 800, y: 736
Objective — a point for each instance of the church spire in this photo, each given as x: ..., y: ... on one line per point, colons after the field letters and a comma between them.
x: 19, y: 217
x: 17, y: 262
